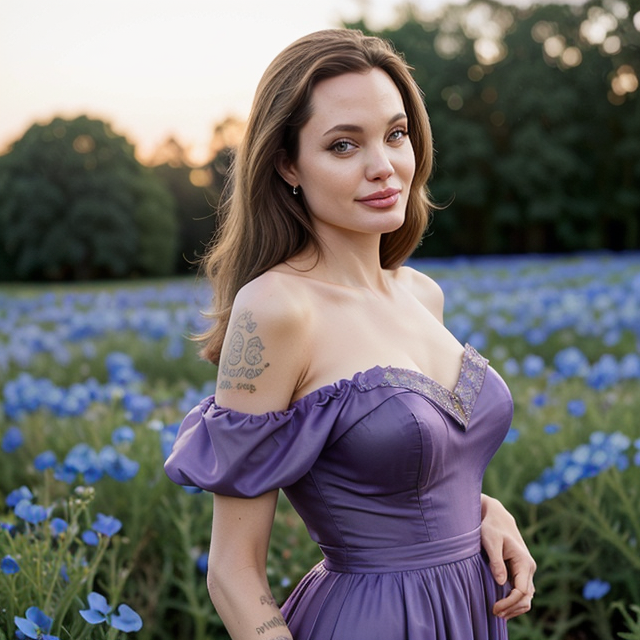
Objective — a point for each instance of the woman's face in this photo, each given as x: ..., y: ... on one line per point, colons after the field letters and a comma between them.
x: 355, y: 162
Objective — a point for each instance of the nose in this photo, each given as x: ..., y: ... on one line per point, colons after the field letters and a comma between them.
x: 379, y: 165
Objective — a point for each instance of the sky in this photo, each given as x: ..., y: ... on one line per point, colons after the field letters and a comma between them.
x: 153, y: 69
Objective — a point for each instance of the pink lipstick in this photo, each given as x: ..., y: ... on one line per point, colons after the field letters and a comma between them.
x: 381, y: 199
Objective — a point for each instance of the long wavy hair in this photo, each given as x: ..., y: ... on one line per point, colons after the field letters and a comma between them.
x: 261, y: 223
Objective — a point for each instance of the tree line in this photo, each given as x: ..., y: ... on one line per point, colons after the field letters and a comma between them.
x: 536, y: 123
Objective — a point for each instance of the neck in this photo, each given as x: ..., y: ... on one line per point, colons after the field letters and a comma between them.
x: 349, y: 262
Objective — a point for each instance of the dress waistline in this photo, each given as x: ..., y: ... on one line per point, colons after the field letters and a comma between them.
x: 407, y: 558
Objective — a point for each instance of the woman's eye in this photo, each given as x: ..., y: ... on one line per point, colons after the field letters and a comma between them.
x: 342, y: 146
x: 398, y: 134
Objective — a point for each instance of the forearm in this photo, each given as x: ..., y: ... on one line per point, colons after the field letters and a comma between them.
x: 244, y: 602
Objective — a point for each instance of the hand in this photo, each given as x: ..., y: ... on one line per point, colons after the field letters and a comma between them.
x: 508, y: 558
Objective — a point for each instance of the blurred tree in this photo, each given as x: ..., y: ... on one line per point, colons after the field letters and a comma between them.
x: 536, y: 119
x: 76, y: 204
x: 191, y: 190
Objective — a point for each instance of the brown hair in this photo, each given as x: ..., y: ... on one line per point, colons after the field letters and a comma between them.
x: 262, y: 224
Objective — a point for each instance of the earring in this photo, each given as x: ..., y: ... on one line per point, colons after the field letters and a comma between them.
x: 295, y: 191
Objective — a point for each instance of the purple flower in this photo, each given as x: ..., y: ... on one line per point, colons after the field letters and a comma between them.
x: 126, y: 619
x: 106, y: 525
x: 35, y: 625
x: 595, y: 589
x: 9, y: 565
x: 45, y: 460
x: 12, y: 440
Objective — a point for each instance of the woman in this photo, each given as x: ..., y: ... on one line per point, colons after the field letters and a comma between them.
x: 384, y: 465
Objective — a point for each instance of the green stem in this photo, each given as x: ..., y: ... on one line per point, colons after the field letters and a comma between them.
x: 603, y: 528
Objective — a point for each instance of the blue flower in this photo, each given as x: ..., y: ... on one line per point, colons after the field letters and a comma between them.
x: 534, y: 493
x: 58, y: 526
x: 126, y: 619
x: 90, y: 538
x: 595, y: 589
x: 576, y: 408
x: 32, y: 513
x: 12, y: 440
x: 45, y: 460
x: 604, y: 374
x: 571, y: 362
x: 98, y: 611
x: 512, y: 435
x: 540, y: 400
x: 137, y: 406
x: 35, y: 625
x: 167, y: 438
x: 83, y: 459
x: 532, y: 366
x: 123, y: 435
x: 551, y: 428
x: 117, y: 465
x: 202, y: 562
x: 9, y: 565
x: 106, y: 525
x: 17, y: 495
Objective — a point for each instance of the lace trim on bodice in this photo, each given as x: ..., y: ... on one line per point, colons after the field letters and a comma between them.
x: 458, y: 403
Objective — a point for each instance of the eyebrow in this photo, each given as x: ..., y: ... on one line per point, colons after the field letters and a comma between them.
x: 358, y: 129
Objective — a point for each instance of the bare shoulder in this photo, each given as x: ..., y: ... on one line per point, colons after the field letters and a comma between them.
x: 264, y: 350
x: 425, y: 289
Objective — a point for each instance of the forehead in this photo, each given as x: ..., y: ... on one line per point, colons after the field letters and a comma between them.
x: 360, y: 96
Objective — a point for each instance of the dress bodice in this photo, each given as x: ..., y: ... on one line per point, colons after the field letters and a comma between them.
x: 356, y: 456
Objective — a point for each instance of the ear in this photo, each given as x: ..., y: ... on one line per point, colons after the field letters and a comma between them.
x: 286, y: 168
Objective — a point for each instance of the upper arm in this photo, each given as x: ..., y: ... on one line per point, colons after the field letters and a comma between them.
x: 263, y: 353
x: 427, y: 291
x: 261, y: 363
x: 240, y: 533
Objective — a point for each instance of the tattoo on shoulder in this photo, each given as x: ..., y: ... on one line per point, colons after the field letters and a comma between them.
x: 243, y: 359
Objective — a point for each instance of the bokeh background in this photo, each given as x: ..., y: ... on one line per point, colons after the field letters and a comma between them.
x: 118, y: 122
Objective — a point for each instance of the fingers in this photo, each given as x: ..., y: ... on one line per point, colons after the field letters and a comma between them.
x: 493, y: 546
x: 498, y: 569
x: 515, y: 604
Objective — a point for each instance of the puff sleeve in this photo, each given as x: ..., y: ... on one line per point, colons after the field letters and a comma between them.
x: 245, y: 455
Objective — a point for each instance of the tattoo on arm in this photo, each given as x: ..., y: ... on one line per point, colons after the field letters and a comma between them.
x: 267, y: 598
x: 274, y: 623
x: 244, y: 355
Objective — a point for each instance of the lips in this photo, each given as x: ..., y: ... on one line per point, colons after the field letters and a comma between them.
x: 381, y: 199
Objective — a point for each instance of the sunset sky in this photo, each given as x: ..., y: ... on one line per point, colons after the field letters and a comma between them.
x: 152, y: 68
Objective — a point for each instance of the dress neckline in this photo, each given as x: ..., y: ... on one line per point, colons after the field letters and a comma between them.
x: 458, y: 403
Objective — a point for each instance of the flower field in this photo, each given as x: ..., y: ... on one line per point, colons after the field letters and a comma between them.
x: 95, y: 541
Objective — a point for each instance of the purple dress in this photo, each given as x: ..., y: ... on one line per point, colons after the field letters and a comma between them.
x: 386, y: 471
